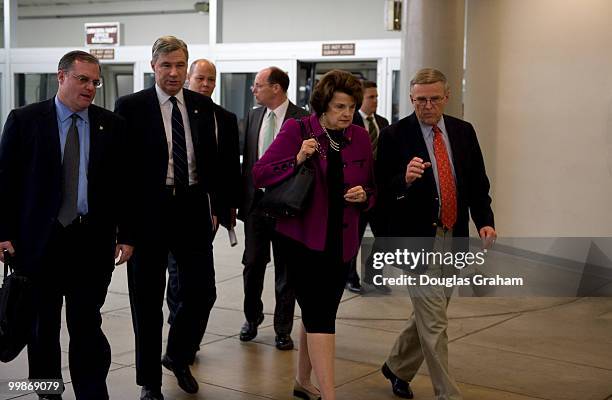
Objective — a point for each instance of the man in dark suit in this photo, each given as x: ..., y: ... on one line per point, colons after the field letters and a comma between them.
x: 432, y: 177
x: 174, y: 186
x: 202, y: 79
x: 262, y: 126
x: 367, y: 118
x: 61, y: 170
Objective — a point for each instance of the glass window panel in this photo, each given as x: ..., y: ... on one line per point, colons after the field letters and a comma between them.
x: 149, y: 79
x: 124, y: 84
x: 32, y: 88
x: 236, y: 96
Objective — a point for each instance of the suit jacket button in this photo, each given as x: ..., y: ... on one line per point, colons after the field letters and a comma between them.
x: 434, y: 224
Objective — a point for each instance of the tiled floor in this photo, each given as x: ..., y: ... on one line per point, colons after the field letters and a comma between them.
x: 500, y: 348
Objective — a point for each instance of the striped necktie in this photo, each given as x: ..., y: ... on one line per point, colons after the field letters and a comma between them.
x: 373, y: 132
x: 179, y: 146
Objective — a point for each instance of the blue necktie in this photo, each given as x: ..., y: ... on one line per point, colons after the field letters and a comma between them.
x: 70, y: 175
x: 179, y: 146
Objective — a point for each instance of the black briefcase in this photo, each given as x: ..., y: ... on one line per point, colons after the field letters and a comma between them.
x: 291, y: 196
x: 16, y: 311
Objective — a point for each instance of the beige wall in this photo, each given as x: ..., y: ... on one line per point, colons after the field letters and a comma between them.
x: 539, y: 92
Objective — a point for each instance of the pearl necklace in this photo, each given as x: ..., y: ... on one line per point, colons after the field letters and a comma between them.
x: 332, y: 143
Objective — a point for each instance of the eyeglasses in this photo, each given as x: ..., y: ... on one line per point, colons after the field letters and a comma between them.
x: 257, y: 86
x: 434, y: 101
x: 83, y: 80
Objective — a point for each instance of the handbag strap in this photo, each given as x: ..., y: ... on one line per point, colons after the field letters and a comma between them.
x: 305, y: 134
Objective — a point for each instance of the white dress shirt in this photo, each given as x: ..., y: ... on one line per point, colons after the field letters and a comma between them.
x: 166, y: 110
x: 279, y: 113
x: 366, y: 123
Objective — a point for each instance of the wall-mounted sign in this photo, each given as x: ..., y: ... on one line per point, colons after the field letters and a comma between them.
x: 338, y: 49
x: 102, y: 34
x: 103, y: 54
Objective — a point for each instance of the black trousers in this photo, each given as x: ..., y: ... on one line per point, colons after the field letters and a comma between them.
x: 186, y: 232
x: 259, y: 233
x: 77, y: 266
x: 369, y: 217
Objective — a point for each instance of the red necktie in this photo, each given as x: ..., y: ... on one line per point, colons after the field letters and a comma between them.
x: 448, y: 193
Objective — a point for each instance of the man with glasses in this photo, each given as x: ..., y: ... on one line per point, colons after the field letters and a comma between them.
x: 262, y: 126
x: 432, y: 178
x: 62, y: 165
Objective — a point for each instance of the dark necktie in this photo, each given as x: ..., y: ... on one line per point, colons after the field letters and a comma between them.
x: 373, y: 133
x: 448, y: 192
x: 70, y: 175
x: 179, y: 146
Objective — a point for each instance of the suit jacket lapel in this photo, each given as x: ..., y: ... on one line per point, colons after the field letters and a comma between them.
x: 454, y: 137
x: 51, y: 138
x: 96, y: 142
x: 258, y: 115
x: 420, y: 150
x: 156, y: 122
x: 193, y: 113
x: 292, y: 111
x: 418, y: 140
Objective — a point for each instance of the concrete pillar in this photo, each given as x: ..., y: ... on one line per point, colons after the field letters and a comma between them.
x: 433, y: 36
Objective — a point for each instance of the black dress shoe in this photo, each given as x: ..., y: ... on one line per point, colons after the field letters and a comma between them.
x: 249, y: 329
x: 353, y: 287
x: 150, y: 393
x: 400, y: 387
x: 302, y: 393
x: 283, y: 342
x: 185, y: 380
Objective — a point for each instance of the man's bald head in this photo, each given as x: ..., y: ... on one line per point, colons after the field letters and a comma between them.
x: 202, y: 77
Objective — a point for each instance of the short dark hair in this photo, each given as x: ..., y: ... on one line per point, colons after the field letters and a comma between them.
x: 368, y: 84
x: 335, y: 81
x: 68, y: 59
x: 278, y: 76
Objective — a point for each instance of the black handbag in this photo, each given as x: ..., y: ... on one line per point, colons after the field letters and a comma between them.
x: 16, y: 311
x: 290, y: 197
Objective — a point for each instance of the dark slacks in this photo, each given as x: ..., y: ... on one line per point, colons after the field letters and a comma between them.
x: 78, y: 266
x: 369, y: 217
x: 186, y: 232
x: 318, y: 278
x: 259, y: 233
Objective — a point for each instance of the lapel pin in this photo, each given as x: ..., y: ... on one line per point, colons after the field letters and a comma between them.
x: 101, y: 128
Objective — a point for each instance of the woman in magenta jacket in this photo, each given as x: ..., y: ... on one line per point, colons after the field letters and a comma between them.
x: 325, y: 236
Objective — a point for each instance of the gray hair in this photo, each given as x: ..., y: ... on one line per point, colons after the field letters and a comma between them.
x: 429, y: 75
x: 168, y: 44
